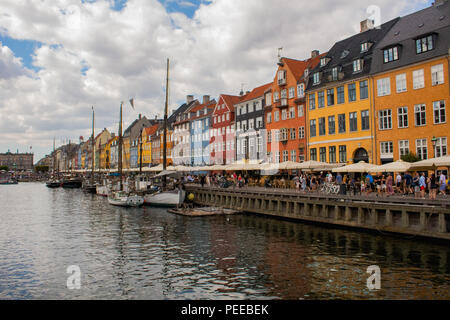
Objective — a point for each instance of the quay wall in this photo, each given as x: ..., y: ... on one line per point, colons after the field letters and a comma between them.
x: 403, y: 216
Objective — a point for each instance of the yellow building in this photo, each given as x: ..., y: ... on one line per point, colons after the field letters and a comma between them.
x: 340, y: 102
x: 147, y: 134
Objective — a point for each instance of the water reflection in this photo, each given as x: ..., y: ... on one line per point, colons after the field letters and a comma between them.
x: 147, y: 253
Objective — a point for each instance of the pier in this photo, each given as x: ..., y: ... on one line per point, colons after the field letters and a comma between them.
x: 417, y: 217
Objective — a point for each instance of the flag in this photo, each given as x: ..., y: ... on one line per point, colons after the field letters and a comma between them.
x: 132, y: 103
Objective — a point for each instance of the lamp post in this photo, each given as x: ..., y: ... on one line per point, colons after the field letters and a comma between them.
x: 433, y: 142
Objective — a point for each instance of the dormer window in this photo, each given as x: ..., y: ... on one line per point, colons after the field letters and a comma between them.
x: 364, y: 46
x: 344, y: 54
x: 281, y: 77
x: 334, y: 73
x: 306, y: 73
x: 424, y: 44
x: 390, y: 54
x: 357, y: 65
x: 323, y: 62
x: 316, y: 78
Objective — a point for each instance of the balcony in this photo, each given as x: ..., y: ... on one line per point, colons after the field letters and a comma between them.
x: 283, y: 103
x: 282, y: 81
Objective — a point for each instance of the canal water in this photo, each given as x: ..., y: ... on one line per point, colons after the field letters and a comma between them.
x: 148, y: 253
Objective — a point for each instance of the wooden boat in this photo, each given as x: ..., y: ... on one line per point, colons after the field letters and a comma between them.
x: 204, y: 211
x: 72, y: 183
x: 165, y: 199
x: 53, y: 184
x: 123, y: 199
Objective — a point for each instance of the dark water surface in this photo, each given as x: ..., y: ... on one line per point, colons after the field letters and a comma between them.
x: 148, y: 253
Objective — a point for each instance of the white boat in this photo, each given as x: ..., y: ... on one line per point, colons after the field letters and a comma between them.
x: 166, y: 198
x: 124, y: 199
x: 103, y: 190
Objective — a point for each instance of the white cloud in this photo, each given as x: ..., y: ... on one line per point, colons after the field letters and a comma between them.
x: 123, y: 54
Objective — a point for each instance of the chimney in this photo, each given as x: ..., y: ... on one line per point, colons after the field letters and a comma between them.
x: 366, y: 25
x: 314, y: 53
x: 139, y: 116
x: 189, y: 99
x: 205, y: 99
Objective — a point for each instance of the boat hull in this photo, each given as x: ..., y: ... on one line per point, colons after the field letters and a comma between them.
x: 72, y: 184
x: 53, y: 185
x: 126, y: 201
x: 164, y: 199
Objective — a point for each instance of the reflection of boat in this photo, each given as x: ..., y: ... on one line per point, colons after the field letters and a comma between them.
x: 89, y: 188
x: 123, y: 199
x: 166, y: 198
x: 72, y: 183
x: 102, y: 190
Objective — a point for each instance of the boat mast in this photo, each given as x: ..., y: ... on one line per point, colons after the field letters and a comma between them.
x: 120, y: 148
x: 165, y: 120
x: 93, y: 146
x: 54, y: 153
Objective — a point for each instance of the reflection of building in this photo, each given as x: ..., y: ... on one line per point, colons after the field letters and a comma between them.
x: 17, y: 161
x: 410, y: 67
x: 340, y: 99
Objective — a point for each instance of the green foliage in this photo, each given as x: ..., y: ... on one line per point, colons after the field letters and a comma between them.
x: 410, y: 157
x: 41, y: 168
x: 4, y: 168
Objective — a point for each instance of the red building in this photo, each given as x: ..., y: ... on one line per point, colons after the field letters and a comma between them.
x: 285, y: 110
x: 223, y: 137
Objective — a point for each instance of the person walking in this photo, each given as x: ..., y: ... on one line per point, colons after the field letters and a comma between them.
x: 433, y: 187
x: 398, y: 182
x: 442, y: 184
x: 416, y: 185
x: 422, y: 185
x: 408, y: 184
x: 389, y: 183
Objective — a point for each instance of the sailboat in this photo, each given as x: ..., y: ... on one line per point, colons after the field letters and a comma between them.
x: 122, y: 198
x: 53, y: 182
x: 90, y: 187
x: 165, y: 197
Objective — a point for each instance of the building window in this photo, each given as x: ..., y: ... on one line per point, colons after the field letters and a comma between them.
x: 403, y: 147
x: 292, y: 113
x: 322, y: 126
x: 285, y: 155
x: 421, y: 149
x: 313, y: 154
x: 400, y: 82
x: 268, y: 99
x: 291, y: 92
x: 390, y: 54
x: 312, y: 127
x: 334, y: 74
x: 363, y: 90
x: 420, y: 114
x: 281, y: 77
x: 269, y: 117
x: 269, y: 136
x: 341, y: 122
x: 402, y: 114
x: 293, y: 155
x: 351, y: 92
x: 424, y: 44
x: 384, y: 86
x: 276, y: 116
x: 332, y: 154
x: 385, y: 119
x: 437, y: 74
x: 323, y: 154
x: 418, y: 79
x: 441, y: 147
x: 316, y: 78
x: 353, y: 119
x: 284, y: 114
x: 365, y: 123
x: 330, y: 97
x: 259, y: 122
x: 357, y: 65
x: 283, y: 94
x: 340, y: 95
x: 312, y: 101
x: 387, y: 149
x: 301, y: 90
x: 439, y: 111
x: 321, y: 99
x: 301, y: 132
x: 364, y: 47
x: 277, y: 157
x: 342, y: 154
x: 331, y: 125
x: 276, y: 96
x: 293, y: 132
x: 300, y: 111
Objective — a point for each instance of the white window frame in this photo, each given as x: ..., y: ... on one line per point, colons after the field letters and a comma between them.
x: 386, y: 149
x: 437, y: 74
x: 422, y: 149
x: 439, y: 107
x: 440, y: 149
x: 300, y: 110
x: 384, y: 86
x: 385, y: 119
x: 418, y: 79
x: 402, y: 115
x: 403, y: 147
x: 400, y: 83
x: 420, y: 108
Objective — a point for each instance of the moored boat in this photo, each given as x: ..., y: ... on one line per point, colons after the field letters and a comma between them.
x: 72, y: 183
x: 167, y: 198
x: 124, y: 199
x: 53, y: 184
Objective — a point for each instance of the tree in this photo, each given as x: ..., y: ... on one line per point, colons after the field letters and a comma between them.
x: 410, y: 157
x: 4, y: 168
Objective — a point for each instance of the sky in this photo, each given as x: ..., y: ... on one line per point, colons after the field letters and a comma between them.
x: 58, y: 58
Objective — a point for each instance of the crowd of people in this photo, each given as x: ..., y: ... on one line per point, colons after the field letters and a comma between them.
x: 383, y: 185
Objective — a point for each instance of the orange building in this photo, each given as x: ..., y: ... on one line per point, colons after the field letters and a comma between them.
x: 411, y: 86
x: 285, y: 110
